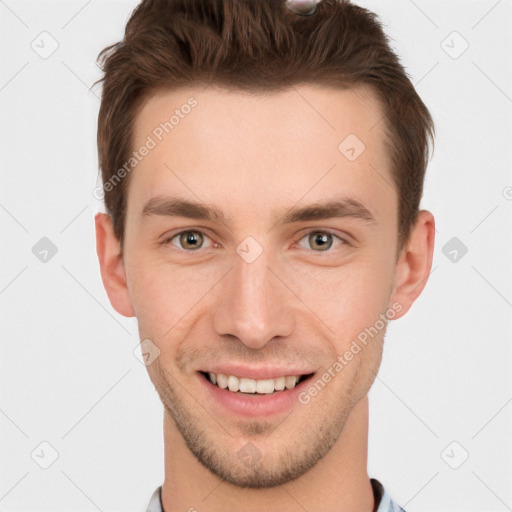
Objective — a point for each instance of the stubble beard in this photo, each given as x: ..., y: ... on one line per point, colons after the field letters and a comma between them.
x: 294, y: 456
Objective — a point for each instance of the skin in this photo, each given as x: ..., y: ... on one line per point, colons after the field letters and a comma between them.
x: 254, y: 157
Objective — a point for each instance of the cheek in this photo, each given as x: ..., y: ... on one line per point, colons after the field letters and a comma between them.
x: 165, y: 297
x: 347, y: 299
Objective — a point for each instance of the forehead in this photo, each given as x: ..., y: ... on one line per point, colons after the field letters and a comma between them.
x: 275, y: 148
x: 297, y: 112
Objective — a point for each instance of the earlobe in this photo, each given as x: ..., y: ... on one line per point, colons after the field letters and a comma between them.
x: 108, y: 249
x: 415, y: 262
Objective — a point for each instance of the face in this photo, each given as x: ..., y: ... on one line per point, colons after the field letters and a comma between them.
x: 291, y: 258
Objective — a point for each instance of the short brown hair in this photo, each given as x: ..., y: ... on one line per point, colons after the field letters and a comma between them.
x: 259, y: 46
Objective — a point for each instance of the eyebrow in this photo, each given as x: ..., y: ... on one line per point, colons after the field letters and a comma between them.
x: 179, y: 207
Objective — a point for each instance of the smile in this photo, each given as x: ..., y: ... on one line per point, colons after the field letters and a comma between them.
x: 254, y: 386
x: 265, y: 398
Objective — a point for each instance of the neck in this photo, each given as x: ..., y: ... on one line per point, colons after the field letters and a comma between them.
x: 338, y: 482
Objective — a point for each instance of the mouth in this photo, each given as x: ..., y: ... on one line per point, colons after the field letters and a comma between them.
x: 254, y: 392
x: 255, y: 387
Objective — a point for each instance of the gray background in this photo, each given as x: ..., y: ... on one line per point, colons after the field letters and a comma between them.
x: 69, y: 373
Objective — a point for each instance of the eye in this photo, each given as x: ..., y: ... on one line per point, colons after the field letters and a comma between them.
x: 188, y: 240
x: 323, y: 240
x: 193, y: 240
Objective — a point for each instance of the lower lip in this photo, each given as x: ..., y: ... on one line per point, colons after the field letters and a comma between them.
x: 257, y: 405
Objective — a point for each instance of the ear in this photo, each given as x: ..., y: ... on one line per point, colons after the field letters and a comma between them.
x: 108, y: 248
x: 414, y: 263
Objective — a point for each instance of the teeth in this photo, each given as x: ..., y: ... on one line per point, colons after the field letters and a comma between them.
x: 233, y: 383
x: 290, y: 382
x: 245, y: 385
x: 265, y: 386
x: 248, y: 385
x: 222, y: 381
x: 280, y: 383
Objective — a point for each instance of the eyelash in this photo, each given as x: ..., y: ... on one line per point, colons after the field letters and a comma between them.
x: 342, y: 241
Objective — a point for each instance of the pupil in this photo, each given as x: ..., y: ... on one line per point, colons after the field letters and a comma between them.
x: 190, y: 238
x: 323, y: 238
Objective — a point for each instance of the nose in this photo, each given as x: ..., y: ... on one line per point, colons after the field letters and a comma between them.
x: 254, y: 304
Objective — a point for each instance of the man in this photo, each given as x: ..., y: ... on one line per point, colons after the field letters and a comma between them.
x: 254, y: 131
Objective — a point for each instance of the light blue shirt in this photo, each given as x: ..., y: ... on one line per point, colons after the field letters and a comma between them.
x: 383, y: 502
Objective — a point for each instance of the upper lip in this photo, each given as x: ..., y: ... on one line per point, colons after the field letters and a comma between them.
x: 263, y: 372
